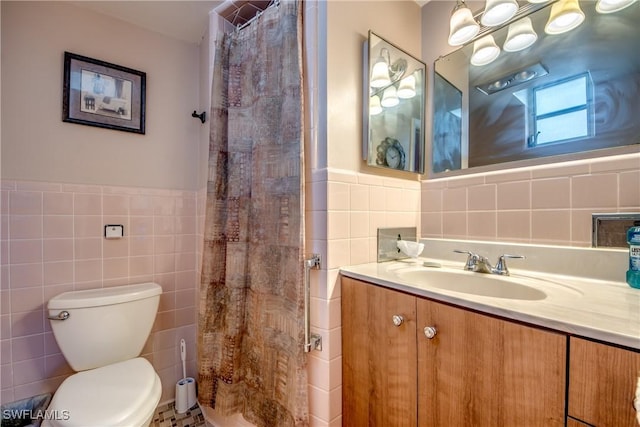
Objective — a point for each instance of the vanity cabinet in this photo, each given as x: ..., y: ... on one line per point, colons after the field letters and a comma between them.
x: 476, y: 370
x: 602, y: 384
x: 378, y: 356
x: 484, y: 371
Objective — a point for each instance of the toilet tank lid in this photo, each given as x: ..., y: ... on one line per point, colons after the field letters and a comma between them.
x: 104, y: 296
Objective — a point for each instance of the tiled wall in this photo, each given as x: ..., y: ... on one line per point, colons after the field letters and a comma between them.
x: 52, y: 242
x: 543, y: 205
x: 344, y: 211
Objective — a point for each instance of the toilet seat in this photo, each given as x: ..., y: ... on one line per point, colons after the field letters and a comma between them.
x: 122, y: 394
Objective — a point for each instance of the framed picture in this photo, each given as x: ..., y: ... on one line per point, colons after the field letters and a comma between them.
x: 97, y: 93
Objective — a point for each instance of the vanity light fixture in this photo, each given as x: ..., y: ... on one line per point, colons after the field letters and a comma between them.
x: 610, y: 6
x: 520, y: 35
x: 384, y: 72
x: 485, y: 51
x: 497, y: 12
x: 565, y: 16
x: 380, y: 71
x: 374, y: 105
x: 390, y: 97
x: 462, y: 26
x: 407, y: 87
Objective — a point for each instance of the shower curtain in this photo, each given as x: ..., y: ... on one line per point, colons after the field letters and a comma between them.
x: 251, y: 321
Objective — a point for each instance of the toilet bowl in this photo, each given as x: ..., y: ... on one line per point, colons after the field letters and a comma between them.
x: 88, y: 398
x: 101, y: 333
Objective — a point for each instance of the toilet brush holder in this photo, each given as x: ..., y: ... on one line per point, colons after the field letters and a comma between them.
x: 185, y: 394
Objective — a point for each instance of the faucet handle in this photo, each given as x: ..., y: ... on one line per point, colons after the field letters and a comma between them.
x: 501, y: 265
x: 472, y: 259
x: 463, y: 252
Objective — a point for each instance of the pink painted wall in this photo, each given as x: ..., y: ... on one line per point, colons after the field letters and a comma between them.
x: 62, y: 182
x: 38, y: 146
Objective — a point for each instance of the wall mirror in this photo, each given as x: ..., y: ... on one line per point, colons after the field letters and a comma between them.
x: 544, y: 94
x: 393, y: 107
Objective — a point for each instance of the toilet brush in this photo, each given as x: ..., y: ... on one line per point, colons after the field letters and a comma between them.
x: 186, y: 387
x: 183, y: 357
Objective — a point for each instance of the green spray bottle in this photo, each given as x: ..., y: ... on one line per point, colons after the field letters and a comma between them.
x: 633, y: 239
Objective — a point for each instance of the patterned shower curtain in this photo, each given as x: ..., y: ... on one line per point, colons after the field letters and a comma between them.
x: 250, y: 327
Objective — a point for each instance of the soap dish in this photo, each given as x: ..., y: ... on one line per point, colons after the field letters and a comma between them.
x: 431, y: 264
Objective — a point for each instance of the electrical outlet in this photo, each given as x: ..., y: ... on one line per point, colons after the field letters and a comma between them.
x: 113, y: 231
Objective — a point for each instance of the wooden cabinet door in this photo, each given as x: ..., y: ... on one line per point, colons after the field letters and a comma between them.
x: 571, y: 422
x: 482, y: 371
x: 602, y: 383
x: 378, y: 358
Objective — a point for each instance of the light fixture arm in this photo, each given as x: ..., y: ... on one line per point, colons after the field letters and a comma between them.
x: 396, y: 70
x: 382, y: 55
x: 459, y: 4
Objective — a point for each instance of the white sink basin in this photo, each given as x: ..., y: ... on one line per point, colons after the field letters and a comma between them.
x: 489, y: 285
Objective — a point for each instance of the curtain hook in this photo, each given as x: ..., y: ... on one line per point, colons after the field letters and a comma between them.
x: 202, y: 116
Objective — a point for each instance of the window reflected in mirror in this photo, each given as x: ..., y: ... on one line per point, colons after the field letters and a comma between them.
x: 562, y: 111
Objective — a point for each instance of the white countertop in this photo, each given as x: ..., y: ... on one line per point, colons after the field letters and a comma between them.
x: 603, y: 310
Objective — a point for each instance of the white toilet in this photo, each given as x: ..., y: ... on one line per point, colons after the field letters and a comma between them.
x: 101, y: 333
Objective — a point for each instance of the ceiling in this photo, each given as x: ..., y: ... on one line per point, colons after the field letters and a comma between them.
x: 184, y: 20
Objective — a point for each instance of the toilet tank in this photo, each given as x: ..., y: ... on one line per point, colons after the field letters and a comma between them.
x: 103, y: 326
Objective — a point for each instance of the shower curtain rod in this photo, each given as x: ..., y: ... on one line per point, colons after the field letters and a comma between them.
x: 275, y: 3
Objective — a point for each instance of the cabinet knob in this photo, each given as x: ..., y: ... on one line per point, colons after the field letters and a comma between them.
x: 430, y: 331
x: 397, y: 319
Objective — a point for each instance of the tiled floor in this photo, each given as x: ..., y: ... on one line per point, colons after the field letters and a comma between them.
x: 166, y: 416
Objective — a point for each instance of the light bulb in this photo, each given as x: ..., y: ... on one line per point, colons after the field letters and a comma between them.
x: 497, y: 12
x: 374, y: 105
x: 485, y: 51
x: 610, y: 6
x: 390, y: 97
x: 462, y: 26
x: 407, y: 88
x: 520, y: 35
x: 380, y: 73
x: 565, y: 16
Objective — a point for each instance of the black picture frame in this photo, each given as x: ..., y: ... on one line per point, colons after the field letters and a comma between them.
x: 101, y: 94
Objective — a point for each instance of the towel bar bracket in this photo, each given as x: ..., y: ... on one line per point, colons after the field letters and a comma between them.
x: 311, y: 341
x: 315, y: 343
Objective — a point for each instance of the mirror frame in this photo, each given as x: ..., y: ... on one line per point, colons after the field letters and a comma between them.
x: 404, y: 149
x: 599, y: 152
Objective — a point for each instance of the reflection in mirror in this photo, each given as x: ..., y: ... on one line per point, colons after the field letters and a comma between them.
x: 544, y: 94
x: 393, y: 107
x: 447, y: 130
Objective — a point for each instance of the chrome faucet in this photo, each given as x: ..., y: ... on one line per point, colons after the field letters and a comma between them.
x: 481, y: 264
